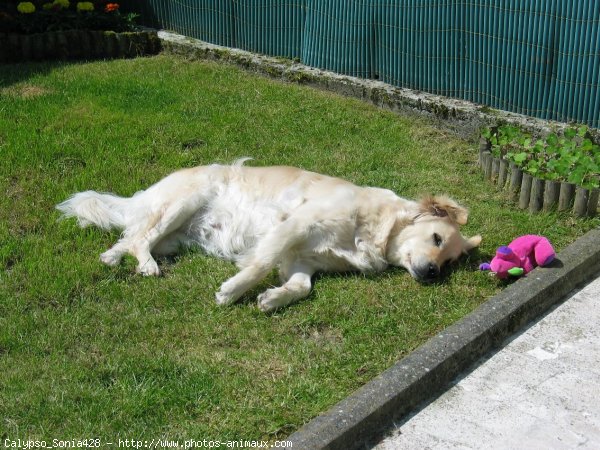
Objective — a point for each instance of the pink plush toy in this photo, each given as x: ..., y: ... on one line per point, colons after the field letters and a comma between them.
x: 521, y: 256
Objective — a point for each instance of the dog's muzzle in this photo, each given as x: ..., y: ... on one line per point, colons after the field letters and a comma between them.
x: 427, y: 272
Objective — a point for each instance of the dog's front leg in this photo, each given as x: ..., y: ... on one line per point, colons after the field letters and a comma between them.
x: 297, y: 286
x: 265, y: 257
x: 236, y: 286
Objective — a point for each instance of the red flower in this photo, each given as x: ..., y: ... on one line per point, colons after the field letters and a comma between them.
x: 110, y: 7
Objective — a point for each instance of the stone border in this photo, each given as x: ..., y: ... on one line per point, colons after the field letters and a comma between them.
x: 428, y: 371
x: 463, y: 117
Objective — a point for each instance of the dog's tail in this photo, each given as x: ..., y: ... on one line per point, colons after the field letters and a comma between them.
x: 106, y: 211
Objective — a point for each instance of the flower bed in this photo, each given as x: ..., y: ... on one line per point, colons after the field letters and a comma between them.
x: 62, y: 29
x: 77, y: 44
x: 558, y: 172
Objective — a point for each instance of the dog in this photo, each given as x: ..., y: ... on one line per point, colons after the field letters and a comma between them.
x: 281, y: 217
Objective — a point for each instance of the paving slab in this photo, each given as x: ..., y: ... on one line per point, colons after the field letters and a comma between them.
x: 541, y: 391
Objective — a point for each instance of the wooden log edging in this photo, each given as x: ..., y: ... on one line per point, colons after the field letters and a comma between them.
x: 534, y: 194
x: 525, y: 191
x: 551, y: 193
x: 77, y: 44
x: 566, y: 196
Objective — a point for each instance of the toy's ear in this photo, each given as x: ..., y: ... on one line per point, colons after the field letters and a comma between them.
x: 444, y: 206
x: 470, y: 243
x: 504, y: 252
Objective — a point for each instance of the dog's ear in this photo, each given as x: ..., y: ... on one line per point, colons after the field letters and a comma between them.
x: 444, y: 206
x: 470, y: 243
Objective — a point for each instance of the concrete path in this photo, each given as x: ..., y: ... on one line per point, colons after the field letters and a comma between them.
x: 541, y: 391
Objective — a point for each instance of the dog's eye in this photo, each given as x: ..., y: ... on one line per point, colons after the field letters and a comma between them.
x: 437, y: 239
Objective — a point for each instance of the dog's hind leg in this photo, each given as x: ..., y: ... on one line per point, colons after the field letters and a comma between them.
x: 141, y: 241
x: 113, y: 255
x: 297, y: 286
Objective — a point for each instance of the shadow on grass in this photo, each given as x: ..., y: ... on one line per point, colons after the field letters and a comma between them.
x: 471, y: 262
x: 15, y: 73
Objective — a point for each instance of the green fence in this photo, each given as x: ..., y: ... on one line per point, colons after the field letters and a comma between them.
x: 535, y: 57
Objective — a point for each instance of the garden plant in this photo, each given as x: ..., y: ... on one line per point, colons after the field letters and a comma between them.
x: 39, y: 16
x: 562, y: 170
x: 65, y: 30
x: 570, y: 157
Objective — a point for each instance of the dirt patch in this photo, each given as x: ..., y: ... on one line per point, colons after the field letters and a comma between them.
x: 25, y: 91
x: 321, y: 335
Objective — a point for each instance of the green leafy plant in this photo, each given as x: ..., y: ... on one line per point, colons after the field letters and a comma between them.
x: 571, y: 156
x: 506, y: 141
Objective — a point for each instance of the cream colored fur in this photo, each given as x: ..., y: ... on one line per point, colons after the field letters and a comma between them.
x: 277, y: 217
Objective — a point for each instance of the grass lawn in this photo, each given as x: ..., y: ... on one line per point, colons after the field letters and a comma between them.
x: 91, y: 351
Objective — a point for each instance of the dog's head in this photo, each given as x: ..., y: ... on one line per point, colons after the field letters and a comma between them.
x: 432, y: 239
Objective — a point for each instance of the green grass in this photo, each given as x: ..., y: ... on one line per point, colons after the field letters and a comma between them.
x: 87, y: 350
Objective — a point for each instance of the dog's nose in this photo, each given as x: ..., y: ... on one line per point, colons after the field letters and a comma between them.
x: 432, y: 271
x: 429, y: 272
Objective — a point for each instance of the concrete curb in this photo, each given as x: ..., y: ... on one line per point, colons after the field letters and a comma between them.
x: 464, y: 118
x: 426, y: 372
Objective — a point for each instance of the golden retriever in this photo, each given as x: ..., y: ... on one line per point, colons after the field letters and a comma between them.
x: 265, y: 217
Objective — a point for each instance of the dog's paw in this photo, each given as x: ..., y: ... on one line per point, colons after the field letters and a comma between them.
x: 224, y: 299
x: 149, y: 269
x: 268, y: 302
x: 110, y: 258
